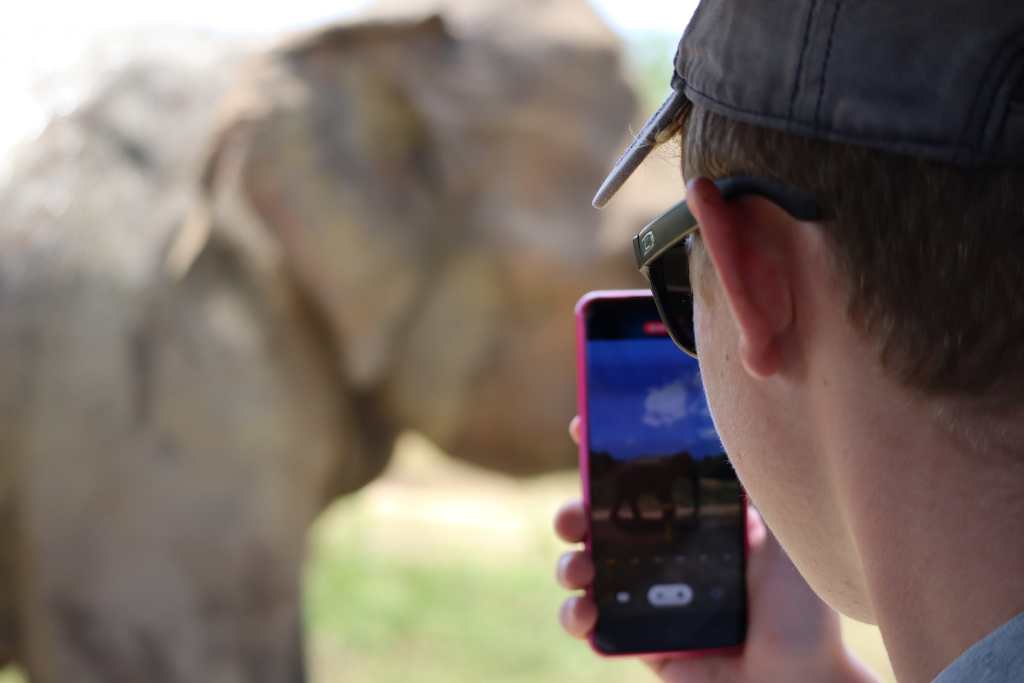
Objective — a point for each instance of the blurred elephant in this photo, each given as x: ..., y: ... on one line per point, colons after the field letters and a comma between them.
x: 390, y: 226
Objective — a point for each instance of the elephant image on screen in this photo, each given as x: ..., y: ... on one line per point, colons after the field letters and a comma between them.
x: 667, y: 516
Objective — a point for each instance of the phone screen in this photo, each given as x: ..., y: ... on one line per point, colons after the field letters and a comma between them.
x: 667, y: 514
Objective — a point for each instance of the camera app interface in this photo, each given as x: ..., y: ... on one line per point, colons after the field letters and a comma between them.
x: 667, y: 516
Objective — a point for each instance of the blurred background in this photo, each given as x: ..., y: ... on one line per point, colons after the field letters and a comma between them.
x: 43, y: 49
x: 213, y: 234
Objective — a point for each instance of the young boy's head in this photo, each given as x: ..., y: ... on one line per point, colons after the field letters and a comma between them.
x: 897, y: 320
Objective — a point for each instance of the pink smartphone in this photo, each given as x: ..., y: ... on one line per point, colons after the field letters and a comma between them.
x: 667, y: 513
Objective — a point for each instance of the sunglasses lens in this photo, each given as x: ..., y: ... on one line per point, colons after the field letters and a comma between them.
x: 670, y: 281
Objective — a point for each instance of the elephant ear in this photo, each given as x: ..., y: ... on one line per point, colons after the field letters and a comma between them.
x: 324, y: 166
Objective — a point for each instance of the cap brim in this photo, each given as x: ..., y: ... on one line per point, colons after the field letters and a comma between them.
x: 658, y: 128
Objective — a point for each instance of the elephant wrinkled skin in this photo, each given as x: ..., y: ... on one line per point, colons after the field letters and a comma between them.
x: 204, y: 338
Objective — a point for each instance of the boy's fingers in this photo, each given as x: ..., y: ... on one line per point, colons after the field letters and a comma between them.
x: 570, y: 522
x: 575, y: 570
x: 756, y: 530
x: 578, y: 616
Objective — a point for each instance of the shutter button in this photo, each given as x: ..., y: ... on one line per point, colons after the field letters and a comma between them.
x: 670, y: 595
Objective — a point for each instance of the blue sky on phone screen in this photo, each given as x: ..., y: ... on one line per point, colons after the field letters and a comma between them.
x: 645, y: 399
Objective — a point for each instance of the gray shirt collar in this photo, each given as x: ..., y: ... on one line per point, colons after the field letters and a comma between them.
x: 996, y: 658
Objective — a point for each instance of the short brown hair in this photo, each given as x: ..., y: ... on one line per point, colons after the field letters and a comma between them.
x: 933, y: 254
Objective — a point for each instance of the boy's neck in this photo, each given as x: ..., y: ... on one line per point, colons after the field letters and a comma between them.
x: 938, y: 531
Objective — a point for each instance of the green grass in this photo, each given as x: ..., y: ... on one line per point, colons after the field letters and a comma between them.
x: 11, y: 675
x: 381, y: 616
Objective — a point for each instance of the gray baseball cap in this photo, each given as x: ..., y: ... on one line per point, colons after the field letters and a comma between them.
x: 936, y: 79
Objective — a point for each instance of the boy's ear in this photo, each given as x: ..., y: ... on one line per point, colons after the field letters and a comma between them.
x: 747, y: 243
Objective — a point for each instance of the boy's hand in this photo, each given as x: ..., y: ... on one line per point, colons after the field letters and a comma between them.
x: 792, y: 635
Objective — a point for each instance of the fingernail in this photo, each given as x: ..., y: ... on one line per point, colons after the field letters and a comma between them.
x: 563, y: 563
x: 563, y: 613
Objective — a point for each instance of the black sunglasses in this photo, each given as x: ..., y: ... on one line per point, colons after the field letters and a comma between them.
x: 663, y: 258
